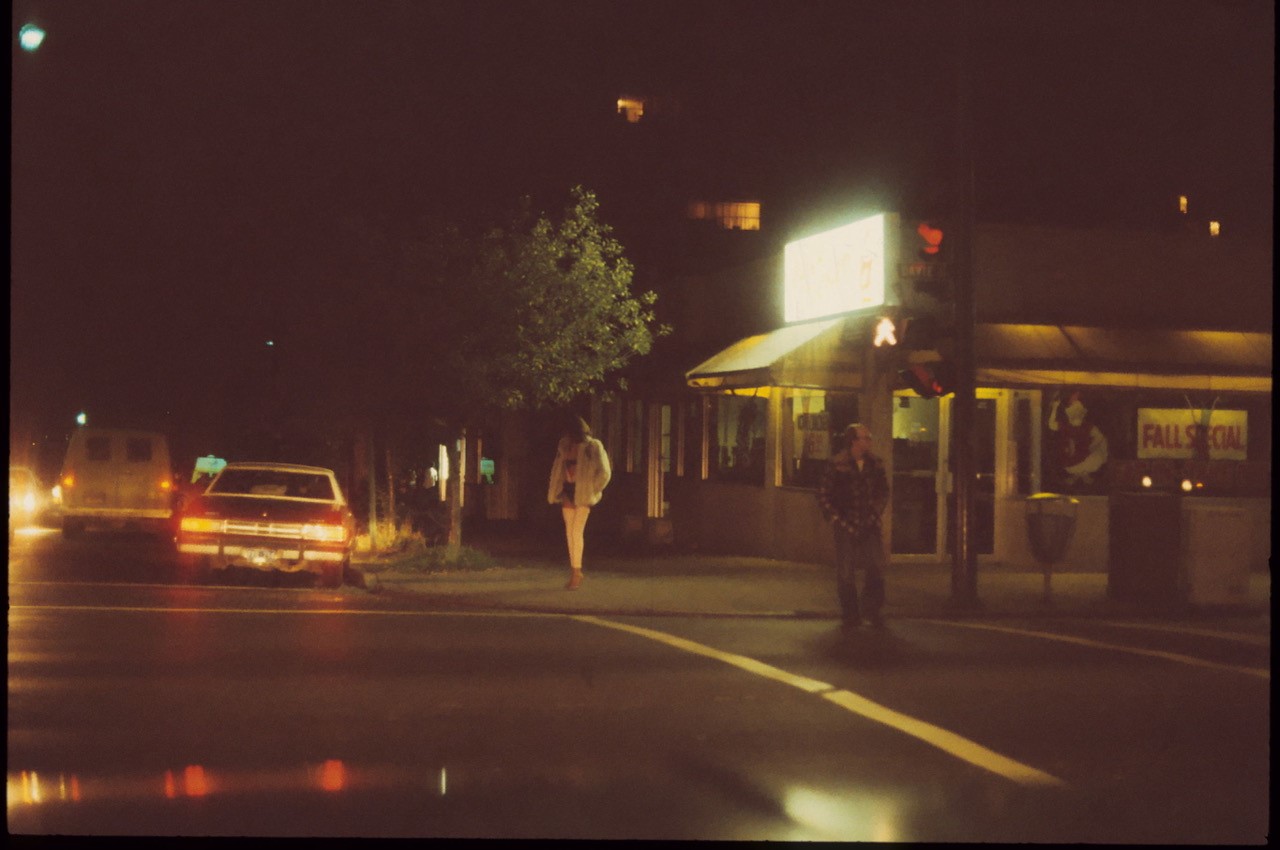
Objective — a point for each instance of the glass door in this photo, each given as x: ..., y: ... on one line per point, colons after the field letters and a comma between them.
x: 988, y: 431
x: 915, y: 475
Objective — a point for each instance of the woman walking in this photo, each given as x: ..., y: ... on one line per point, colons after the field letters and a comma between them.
x: 579, y: 475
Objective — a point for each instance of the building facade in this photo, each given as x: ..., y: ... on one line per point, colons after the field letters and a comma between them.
x: 1106, y: 363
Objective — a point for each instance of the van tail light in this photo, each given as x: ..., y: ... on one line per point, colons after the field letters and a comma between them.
x: 324, y: 532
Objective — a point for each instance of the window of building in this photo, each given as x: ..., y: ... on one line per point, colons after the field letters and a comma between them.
x: 692, y: 444
x: 736, y: 437
x: 1100, y: 440
x: 631, y: 109
x: 730, y: 215
x: 664, y: 439
x: 810, y: 419
x: 635, y: 436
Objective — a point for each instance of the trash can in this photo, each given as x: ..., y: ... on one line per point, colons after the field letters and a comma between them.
x: 1051, y: 523
x: 1144, y: 562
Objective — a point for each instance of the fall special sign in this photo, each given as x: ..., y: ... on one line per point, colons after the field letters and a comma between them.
x: 1173, y: 433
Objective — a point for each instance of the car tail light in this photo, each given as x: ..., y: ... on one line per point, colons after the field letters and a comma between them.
x: 165, y: 484
x: 69, y: 480
x: 201, y: 525
x: 324, y: 532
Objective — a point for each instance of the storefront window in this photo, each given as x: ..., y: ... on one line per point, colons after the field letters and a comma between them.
x: 810, y: 420
x: 690, y: 443
x: 1103, y: 440
x: 737, y: 433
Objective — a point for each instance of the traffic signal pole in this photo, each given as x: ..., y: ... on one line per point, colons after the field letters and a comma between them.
x: 964, y: 576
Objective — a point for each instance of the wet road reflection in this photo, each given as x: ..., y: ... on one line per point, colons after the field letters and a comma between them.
x: 143, y: 804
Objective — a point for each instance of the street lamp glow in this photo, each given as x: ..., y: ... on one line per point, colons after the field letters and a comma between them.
x: 82, y: 418
x: 30, y: 37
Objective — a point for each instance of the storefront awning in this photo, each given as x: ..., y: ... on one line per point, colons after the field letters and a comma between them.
x: 1154, y: 359
x: 812, y: 354
x: 825, y: 354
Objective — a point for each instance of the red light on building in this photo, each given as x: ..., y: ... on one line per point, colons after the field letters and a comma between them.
x: 932, y: 238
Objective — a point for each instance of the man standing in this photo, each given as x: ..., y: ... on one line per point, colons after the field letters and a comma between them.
x: 853, y: 495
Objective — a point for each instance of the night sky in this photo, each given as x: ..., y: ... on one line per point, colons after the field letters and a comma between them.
x: 179, y: 167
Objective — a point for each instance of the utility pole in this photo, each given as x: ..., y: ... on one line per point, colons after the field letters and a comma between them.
x: 964, y: 577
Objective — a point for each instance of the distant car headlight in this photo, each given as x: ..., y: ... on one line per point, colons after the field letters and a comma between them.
x: 56, y: 493
x: 29, y: 503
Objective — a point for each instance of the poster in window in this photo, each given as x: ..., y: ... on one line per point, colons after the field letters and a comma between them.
x: 1077, y: 445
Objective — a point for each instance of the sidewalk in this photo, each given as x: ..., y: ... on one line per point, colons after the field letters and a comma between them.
x: 665, y: 583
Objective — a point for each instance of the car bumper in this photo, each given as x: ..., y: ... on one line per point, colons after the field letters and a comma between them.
x: 123, y: 514
x: 264, y: 555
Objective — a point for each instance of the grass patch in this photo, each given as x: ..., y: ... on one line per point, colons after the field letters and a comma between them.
x: 437, y: 559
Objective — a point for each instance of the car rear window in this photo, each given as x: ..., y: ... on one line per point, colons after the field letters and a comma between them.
x: 271, y: 482
x: 137, y: 449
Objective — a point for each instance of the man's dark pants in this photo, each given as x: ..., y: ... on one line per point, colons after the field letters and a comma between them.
x: 867, y: 554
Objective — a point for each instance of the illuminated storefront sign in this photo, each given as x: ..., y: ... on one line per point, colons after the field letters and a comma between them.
x: 1186, y: 434
x: 836, y: 271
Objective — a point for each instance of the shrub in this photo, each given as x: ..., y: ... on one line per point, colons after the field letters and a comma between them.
x: 436, y: 559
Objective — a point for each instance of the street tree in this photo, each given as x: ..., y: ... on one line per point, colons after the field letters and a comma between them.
x: 527, y: 314
x: 541, y: 310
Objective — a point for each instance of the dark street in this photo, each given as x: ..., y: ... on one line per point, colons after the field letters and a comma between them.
x: 145, y: 707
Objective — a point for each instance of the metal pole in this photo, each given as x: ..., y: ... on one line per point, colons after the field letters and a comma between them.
x: 964, y: 579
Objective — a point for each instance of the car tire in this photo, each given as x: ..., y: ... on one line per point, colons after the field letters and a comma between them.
x: 331, y: 575
x: 72, y: 528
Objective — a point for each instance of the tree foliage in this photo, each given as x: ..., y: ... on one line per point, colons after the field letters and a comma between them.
x: 526, y: 315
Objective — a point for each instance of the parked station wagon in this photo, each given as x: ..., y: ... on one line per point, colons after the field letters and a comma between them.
x: 269, y: 516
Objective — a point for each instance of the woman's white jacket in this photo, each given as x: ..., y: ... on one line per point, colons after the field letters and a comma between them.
x: 593, y: 473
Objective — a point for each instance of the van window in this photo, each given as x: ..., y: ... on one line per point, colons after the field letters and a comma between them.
x: 97, y: 448
x: 137, y: 449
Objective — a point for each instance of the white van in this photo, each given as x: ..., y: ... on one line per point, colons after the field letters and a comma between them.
x: 115, y: 477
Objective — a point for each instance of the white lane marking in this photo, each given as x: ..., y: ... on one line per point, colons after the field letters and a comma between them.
x: 1252, y: 640
x: 1260, y: 672
x: 949, y: 742
x: 276, y: 611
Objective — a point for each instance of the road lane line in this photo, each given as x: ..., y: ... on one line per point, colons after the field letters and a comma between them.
x: 1260, y: 672
x: 127, y: 609
x: 949, y: 742
x: 1252, y: 640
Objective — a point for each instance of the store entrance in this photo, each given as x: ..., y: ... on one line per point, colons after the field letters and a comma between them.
x: 983, y: 520
x: 922, y: 484
x: 915, y: 475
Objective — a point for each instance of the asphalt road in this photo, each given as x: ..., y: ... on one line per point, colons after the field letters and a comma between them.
x: 140, y: 706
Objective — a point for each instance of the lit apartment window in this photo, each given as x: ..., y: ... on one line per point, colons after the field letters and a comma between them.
x: 631, y: 108
x: 731, y: 215
x: 1215, y: 228
x: 1182, y: 204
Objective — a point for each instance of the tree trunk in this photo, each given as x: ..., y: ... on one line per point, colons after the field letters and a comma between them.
x: 373, y: 495
x: 456, y: 491
x: 391, y: 495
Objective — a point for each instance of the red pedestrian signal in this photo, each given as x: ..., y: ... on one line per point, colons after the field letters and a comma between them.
x: 932, y: 237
